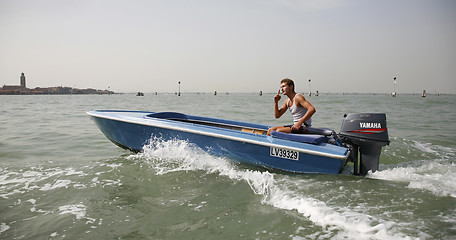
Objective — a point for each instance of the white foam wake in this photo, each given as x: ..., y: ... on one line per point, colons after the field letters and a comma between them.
x: 438, y: 177
x: 335, y: 222
x: 435, y: 171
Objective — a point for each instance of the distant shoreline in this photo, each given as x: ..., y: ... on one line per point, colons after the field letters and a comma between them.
x: 52, y: 91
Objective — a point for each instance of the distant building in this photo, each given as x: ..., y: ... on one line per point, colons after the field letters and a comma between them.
x: 16, y: 87
x: 11, y: 87
x: 23, y: 80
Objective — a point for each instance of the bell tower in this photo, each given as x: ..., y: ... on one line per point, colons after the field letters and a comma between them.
x: 22, y: 80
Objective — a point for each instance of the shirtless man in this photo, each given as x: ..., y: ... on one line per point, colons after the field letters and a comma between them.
x: 300, y: 109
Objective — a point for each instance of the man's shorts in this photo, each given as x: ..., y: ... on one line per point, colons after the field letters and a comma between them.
x: 300, y: 130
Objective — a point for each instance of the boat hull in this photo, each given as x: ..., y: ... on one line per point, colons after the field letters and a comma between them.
x: 134, y: 130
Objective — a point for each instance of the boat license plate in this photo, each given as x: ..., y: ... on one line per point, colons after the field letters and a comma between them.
x: 284, y: 153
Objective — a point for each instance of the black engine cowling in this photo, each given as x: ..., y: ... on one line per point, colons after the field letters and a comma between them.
x: 368, y: 133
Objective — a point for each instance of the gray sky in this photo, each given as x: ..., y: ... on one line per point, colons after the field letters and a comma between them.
x: 230, y: 45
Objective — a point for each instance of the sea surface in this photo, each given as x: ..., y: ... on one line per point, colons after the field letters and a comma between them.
x: 61, y: 178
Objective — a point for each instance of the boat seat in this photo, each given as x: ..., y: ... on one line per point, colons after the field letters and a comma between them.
x: 304, y: 138
x: 319, y: 131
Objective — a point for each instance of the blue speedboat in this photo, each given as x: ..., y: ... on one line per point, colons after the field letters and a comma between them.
x: 317, y: 151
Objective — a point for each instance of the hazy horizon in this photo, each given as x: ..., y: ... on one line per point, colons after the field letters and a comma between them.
x: 346, y: 46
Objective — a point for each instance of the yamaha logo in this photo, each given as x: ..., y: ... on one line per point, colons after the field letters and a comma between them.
x: 369, y: 125
x: 369, y: 128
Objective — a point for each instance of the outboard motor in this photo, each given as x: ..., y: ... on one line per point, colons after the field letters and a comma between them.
x: 368, y: 133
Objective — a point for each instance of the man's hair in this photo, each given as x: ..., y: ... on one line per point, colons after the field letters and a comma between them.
x: 289, y: 82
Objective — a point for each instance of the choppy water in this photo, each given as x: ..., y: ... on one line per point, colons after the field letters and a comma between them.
x: 60, y: 178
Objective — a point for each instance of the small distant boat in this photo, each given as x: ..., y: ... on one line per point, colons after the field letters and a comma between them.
x: 423, y: 94
x: 139, y: 94
x: 318, y: 151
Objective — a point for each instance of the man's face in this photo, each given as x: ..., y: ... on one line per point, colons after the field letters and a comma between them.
x: 284, y: 88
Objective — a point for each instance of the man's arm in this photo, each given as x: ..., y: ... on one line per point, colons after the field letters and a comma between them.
x: 279, y: 112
